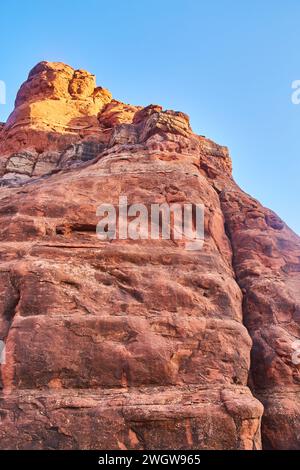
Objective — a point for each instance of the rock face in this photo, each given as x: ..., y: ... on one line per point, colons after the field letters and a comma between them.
x: 137, y: 344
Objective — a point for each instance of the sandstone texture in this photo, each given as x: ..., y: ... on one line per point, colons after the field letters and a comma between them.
x: 137, y: 344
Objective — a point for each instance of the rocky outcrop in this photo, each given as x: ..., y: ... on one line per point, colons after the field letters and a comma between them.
x: 55, y: 107
x: 267, y: 265
x: 142, y: 334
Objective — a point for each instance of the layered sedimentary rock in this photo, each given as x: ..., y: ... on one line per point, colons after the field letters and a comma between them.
x: 136, y: 344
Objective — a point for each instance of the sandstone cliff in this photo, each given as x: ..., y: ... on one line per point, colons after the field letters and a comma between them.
x: 137, y: 344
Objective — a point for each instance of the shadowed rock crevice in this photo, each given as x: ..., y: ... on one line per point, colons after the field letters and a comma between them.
x: 262, y: 248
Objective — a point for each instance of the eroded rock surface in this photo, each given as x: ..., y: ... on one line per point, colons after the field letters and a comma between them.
x: 136, y: 344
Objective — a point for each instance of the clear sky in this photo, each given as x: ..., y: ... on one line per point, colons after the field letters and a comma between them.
x: 229, y: 64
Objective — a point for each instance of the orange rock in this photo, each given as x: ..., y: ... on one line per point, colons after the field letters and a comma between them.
x: 55, y: 107
x: 139, y: 333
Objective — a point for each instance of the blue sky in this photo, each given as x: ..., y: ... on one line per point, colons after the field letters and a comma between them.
x: 228, y: 64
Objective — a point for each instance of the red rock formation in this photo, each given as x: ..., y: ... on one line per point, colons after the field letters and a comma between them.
x: 136, y: 344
